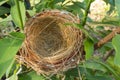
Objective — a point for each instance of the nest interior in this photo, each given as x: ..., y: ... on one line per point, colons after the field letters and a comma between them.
x: 48, y: 37
x: 52, y: 42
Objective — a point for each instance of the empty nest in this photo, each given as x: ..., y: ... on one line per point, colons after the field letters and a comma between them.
x: 53, y: 43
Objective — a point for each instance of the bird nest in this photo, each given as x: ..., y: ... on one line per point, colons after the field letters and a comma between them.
x: 53, y: 43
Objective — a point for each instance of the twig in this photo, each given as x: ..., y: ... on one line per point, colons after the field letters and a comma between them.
x: 109, y: 53
x: 79, y: 73
x: 107, y: 38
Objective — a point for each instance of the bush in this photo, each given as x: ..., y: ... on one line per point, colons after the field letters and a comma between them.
x: 101, y: 42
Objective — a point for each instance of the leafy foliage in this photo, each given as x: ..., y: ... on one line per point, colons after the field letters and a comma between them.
x: 92, y: 68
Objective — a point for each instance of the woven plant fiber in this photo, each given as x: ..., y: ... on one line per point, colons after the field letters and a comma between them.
x: 53, y: 43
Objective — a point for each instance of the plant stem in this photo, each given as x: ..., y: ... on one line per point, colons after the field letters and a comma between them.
x: 86, y: 12
x: 18, y: 7
x: 80, y: 77
x: 107, y: 55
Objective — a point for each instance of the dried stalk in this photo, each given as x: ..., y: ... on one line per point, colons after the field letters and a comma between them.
x: 107, y: 38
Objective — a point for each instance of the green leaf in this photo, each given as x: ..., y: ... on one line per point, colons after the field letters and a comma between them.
x: 4, y: 10
x: 3, y: 1
x: 40, y: 6
x: 86, y: 32
x: 112, y: 5
x: 89, y: 48
x: 117, y: 4
x: 99, y: 66
x: 116, y: 45
x: 9, y: 68
x: 112, y: 22
x: 13, y: 77
x: 31, y: 12
x: 58, y: 1
x: 18, y: 13
x: 109, y: 69
x: 99, y: 78
x: 110, y: 61
x: 8, y: 50
x: 94, y: 66
x: 6, y: 19
x: 73, y: 73
x: 17, y: 35
x: 30, y: 76
x: 106, y: 47
x: 76, y: 6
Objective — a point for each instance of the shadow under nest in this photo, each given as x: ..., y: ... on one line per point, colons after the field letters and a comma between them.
x: 53, y: 43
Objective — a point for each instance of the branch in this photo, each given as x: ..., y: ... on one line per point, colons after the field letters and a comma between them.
x: 106, y: 56
x: 107, y: 38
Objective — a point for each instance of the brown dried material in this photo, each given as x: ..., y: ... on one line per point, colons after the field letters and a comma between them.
x: 50, y: 45
x: 107, y: 38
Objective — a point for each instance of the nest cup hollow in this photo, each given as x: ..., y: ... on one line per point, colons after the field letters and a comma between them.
x: 53, y: 43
